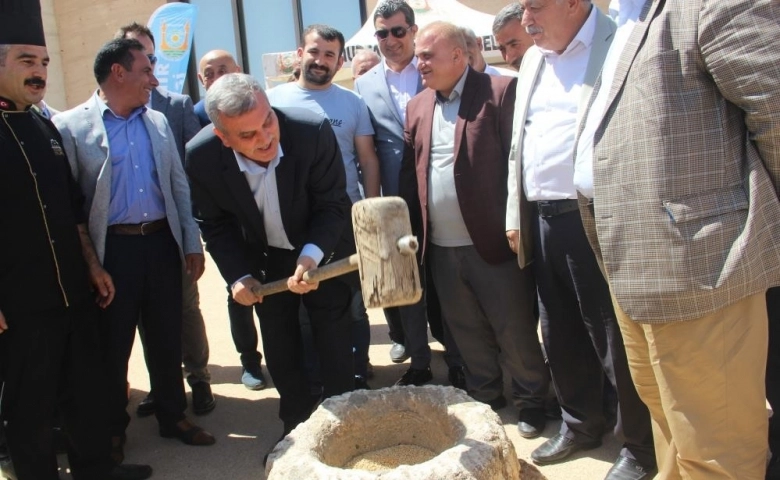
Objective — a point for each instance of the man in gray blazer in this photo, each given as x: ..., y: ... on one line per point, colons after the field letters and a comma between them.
x: 678, y: 164
x: 579, y: 329
x: 386, y: 89
x: 194, y: 342
x: 140, y: 220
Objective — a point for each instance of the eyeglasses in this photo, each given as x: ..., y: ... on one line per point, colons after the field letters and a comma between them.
x: 152, y: 59
x: 398, y: 32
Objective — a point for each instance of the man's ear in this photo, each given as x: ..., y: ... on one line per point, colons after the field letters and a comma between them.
x: 341, y: 62
x: 457, y: 53
x: 118, y: 71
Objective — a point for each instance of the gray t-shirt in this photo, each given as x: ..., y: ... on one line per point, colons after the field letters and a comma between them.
x: 347, y: 113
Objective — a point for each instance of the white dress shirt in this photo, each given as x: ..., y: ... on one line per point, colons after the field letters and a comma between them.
x: 262, y: 183
x: 627, y: 12
x: 402, y: 85
x: 551, y: 123
x: 447, y: 226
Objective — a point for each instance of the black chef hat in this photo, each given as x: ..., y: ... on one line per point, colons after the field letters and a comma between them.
x: 21, y: 23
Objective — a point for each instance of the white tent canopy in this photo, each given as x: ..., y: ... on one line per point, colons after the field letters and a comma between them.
x: 427, y: 11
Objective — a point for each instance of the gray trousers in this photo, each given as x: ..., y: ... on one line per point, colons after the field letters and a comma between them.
x: 194, y: 342
x: 489, y: 312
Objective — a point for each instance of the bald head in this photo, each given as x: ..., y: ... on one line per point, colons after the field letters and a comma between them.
x: 446, y: 31
x: 364, y: 61
x: 214, y: 64
x: 441, y: 56
x: 474, y: 49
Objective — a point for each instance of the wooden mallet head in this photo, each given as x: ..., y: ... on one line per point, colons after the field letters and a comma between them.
x: 386, y: 252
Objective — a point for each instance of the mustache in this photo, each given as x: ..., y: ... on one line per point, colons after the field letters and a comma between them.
x: 533, y: 29
x: 35, y: 82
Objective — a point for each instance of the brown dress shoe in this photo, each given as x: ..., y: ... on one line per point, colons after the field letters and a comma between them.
x: 188, y: 433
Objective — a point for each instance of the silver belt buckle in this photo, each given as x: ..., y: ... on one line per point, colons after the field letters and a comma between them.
x: 143, y: 225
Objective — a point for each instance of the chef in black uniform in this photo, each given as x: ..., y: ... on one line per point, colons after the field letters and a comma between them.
x: 51, y: 283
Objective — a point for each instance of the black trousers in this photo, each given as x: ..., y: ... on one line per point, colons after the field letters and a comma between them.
x: 147, y: 274
x: 52, y: 360
x: 773, y: 367
x: 582, y: 338
x: 331, y: 323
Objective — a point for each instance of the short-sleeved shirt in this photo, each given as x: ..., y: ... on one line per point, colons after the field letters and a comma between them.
x: 347, y: 113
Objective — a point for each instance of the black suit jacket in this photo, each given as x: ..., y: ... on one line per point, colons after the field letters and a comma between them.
x: 311, y: 184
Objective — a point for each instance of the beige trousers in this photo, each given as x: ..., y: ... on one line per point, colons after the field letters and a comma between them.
x: 703, y: 382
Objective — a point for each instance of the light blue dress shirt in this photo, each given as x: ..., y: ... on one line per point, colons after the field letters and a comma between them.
x: 136, y: 196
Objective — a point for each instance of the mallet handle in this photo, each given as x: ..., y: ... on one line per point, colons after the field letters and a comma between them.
x: 340, y: 267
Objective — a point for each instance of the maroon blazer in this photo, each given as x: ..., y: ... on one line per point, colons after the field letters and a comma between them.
x: 483, y: 133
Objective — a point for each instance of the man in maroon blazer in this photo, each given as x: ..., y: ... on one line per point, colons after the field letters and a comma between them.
x: 453, y: 175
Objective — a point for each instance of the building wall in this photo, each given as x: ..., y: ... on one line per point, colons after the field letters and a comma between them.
x: 55, y: 84
x: 81, y: 27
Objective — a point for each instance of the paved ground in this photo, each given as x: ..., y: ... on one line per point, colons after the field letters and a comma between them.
x: 246, y: 424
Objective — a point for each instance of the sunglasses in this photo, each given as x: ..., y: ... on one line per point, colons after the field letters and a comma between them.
x: 398, y: 32
x: 152, y: 59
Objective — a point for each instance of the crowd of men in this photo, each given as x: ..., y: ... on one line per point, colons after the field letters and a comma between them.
x: 618, y: 187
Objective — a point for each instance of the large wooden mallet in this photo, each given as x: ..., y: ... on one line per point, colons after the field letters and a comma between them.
x: 385, y: 256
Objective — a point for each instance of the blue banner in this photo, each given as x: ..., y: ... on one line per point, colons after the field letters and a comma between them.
x: 173, y: 25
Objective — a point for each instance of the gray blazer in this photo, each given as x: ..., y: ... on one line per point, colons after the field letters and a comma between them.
x: 86, y: 144
x: 516, y: 210
x: 388, y: 125
x: 687, y: 160
x: 179, y: 112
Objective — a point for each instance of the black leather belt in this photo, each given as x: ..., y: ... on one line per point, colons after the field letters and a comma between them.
x: 145, y: 228
x: 551, y: 208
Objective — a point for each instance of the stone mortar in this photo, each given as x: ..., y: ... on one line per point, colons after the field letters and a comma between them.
x: 467, y: 435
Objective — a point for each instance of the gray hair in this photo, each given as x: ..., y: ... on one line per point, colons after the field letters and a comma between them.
x: 513, y: 11
x: 232, y: 95
x: 4, y: 53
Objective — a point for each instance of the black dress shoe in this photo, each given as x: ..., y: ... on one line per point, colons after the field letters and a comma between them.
x: 531, y: 422
x: 130, y: 472
x: 629, y: 469
x: 147, y: 406
x: 203, y: 400
x: 457, y: 377
x: 415, y: 376
x: 361, y: 383
x: 559, y: 447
